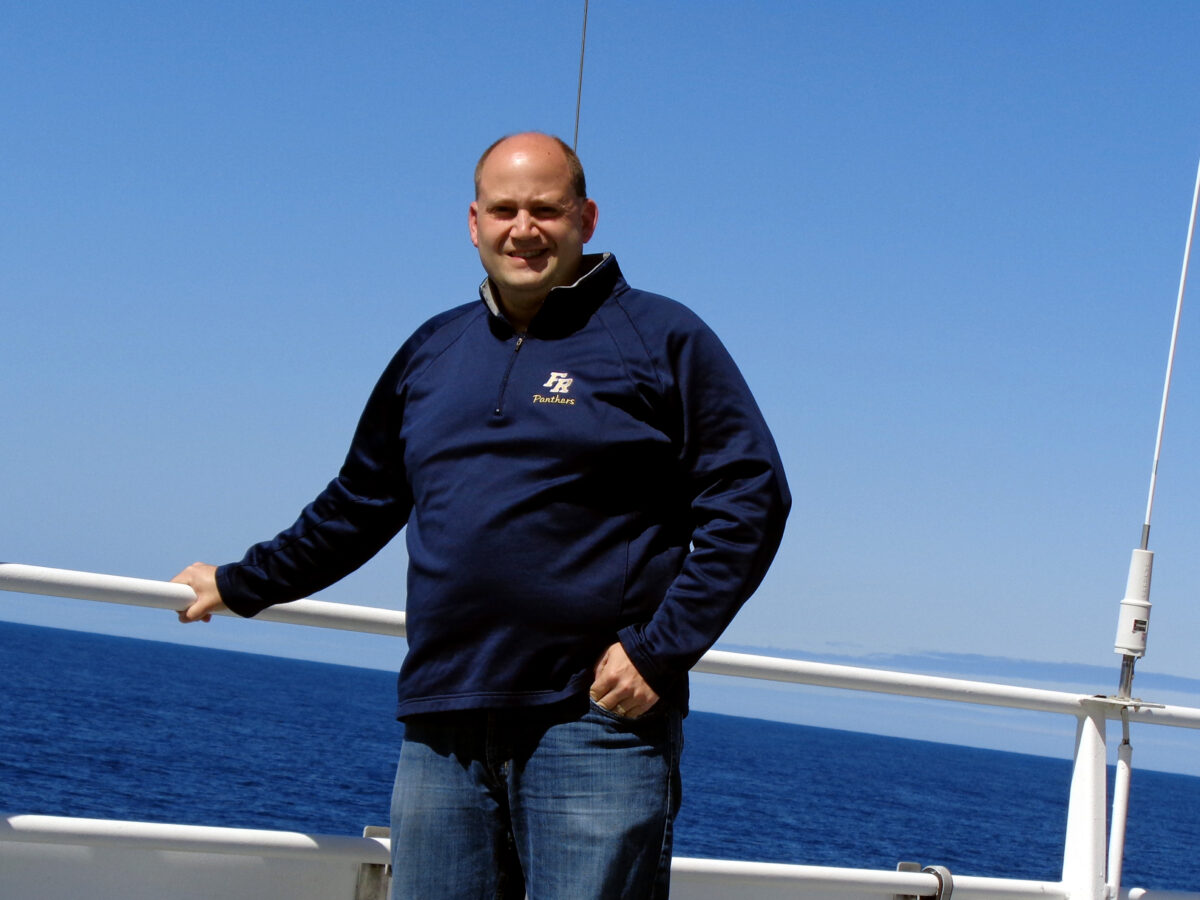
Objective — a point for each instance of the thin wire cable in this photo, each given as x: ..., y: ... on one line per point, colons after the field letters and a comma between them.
x: 579, y: 90
x: 1162, y: 414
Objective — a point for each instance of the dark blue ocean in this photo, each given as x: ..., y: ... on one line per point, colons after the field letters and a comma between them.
x: 112, y: 727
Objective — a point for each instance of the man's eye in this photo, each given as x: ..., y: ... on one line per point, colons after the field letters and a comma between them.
x: 503, y: 212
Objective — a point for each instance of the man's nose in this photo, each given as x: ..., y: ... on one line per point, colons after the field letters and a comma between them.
x: 523, y: 224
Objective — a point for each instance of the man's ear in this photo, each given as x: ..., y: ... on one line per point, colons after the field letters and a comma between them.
x: 473, y: 222
x: 590, y: 215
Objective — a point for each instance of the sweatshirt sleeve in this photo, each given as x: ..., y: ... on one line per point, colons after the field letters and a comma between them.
x: 348, y: 523
x: 739, y: 502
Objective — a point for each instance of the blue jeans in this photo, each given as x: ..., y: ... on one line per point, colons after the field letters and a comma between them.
x: 568, y: 804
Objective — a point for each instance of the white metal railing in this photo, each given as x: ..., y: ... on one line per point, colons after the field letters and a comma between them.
x: 831, y: 880
x: 166, y: 595
x: 858, y: 882
x: 934, y: 687
x: 372, y: 620
x: 190, y: 838
x: 1084, y: 855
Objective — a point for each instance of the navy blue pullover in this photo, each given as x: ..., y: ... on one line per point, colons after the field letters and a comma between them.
x: 606, y: 475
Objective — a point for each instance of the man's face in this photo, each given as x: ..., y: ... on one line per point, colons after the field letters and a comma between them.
x: 528, y: 223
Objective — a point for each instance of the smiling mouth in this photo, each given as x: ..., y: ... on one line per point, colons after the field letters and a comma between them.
x: 528, y: 254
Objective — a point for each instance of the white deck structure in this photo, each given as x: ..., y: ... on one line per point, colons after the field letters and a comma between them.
x: 49, y: 857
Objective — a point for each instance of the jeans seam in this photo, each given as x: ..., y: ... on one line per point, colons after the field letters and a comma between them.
x: 674, y: 798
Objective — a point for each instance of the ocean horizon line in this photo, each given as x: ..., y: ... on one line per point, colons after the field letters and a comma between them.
x: 958, y: 724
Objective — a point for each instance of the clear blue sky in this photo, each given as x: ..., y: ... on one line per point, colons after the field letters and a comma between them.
x: 942, y: 240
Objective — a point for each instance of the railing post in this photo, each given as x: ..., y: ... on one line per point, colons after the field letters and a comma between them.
x: 374, y: 879
x: 1083, y: 851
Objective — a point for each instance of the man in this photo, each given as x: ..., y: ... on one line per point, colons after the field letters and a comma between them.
x: 590, y: 494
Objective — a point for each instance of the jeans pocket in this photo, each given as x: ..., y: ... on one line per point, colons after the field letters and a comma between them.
x: 613, y: 716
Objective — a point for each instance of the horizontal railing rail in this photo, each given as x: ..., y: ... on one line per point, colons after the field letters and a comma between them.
x: 190, y: 838
x: 372, y: 620
x: 834, y: 879
x: 168, y: 595
x: 374, y: 851
x: 936, y: 687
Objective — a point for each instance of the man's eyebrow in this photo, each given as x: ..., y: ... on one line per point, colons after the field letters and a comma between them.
x: 559, y: 204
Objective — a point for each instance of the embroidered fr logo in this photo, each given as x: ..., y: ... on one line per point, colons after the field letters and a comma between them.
x: 558, y: 383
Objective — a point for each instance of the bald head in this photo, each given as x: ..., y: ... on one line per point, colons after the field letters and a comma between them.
x: 536, y: 142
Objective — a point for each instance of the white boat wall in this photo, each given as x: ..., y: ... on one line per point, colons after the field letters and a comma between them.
x: 51, y: 857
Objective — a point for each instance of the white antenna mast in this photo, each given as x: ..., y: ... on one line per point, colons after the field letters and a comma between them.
x: 1134, y: 620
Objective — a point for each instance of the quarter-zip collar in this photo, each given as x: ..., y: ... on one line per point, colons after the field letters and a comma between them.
x: 567, y: 307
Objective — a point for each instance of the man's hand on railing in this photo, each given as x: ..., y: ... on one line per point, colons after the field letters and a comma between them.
x: 201, y: 578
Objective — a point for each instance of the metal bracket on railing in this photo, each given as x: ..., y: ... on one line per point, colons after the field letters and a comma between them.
x: 904, y: 867
x: 373, y: 878
x: 945, y: 881
x: 1133, y: 703
x: 907, y: 867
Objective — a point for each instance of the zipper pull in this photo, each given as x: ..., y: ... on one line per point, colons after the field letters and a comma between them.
x: 499, y: 410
